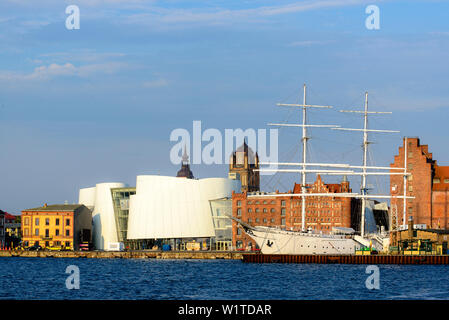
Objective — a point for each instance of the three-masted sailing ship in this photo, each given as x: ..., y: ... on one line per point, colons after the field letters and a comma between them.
x: 273, y: 240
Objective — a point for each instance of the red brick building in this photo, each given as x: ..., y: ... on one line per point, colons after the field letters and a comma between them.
x: 285, y: 212
x: 428, y: 183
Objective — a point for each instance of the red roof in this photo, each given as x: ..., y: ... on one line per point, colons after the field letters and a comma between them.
x: 8, y: 216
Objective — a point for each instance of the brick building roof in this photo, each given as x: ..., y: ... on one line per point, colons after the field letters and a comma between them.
x: 329, y: 187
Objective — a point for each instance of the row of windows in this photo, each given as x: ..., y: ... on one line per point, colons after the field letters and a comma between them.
x: 26, y: 232
x: 437, y: 180
x: 272, y: 220
x: 47, y: 243
x: 239, y: 202
x: 321, y: 205
x: 320, y: 227
x: 319, y: 220
x: 26, y: 221
x: 311, y: 204
x: 257, y: 210
x: 322, y: 212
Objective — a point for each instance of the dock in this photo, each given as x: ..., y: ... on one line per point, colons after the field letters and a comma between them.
x: 141, y: 254
x: 235, y: 255
x: 346, y: 259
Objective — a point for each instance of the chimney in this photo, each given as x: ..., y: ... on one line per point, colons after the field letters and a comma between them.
x: 410, y: 227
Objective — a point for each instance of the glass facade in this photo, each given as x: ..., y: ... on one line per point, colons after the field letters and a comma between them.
x: 221, y: 210
x: 120, y: 200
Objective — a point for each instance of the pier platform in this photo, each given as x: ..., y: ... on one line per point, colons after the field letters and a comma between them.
x: 227, y: 255
x: 346, y: 259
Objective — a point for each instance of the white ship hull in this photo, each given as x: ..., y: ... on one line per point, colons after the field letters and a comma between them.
x: 276, y: 241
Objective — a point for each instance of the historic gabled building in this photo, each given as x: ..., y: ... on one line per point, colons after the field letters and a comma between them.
x: 428, y: 183
x: 244, y: 162
x: 285, y: 212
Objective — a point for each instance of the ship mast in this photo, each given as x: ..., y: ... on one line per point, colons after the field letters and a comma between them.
x: 338, y: 171
x: 304, y: 161
x: 364, y: 173
x: 404, y: 209
x: 304, y: 139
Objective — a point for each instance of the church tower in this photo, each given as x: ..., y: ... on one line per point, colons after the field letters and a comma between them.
x: 185, y: 171
x: 243, y: 162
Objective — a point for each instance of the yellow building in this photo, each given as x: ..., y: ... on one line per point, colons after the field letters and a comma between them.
x: 56, y: 226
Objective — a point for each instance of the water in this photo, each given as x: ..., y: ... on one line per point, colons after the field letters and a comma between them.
x: 44, y: 278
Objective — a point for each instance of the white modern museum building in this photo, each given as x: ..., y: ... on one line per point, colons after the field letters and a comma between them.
x: 174, y: 210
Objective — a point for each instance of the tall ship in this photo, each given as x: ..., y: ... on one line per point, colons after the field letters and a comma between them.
x: 274, y: 240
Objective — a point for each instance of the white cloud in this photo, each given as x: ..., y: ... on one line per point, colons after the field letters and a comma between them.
x: 46, y: 72
x: 157, y: 15
x: 155, y: 83
x: 150, y: 13
x: 309, y: 43
x: 84, y: 55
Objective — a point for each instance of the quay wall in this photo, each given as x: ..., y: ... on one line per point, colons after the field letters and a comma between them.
x: 235, y: 255
x: 228, y: 255
x: 346, y: 259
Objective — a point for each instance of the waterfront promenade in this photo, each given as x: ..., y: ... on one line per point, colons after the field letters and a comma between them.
x: 229, y: 255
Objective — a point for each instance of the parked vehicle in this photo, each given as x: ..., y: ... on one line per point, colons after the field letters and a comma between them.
x: 34, y: 248
x: 54, y: 248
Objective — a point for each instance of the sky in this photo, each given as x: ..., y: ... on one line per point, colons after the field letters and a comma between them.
x: 98, y: 104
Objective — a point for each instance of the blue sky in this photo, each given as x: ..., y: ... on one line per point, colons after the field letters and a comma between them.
x: 98, y: 104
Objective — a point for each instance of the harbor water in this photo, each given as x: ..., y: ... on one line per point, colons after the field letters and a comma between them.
x: 45, y: 278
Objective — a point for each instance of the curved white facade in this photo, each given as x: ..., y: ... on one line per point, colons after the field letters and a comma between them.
x: 87, y: 197
x: 103, y: 219
x: 169, y: 207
